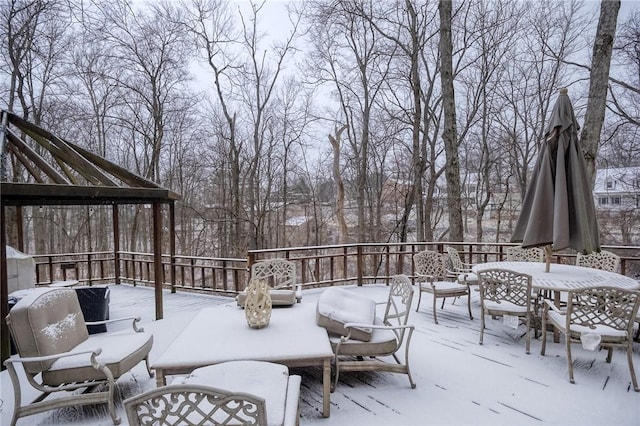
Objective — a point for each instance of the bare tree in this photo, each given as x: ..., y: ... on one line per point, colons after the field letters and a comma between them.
x: 449, y: 134
x: 342, y: 223
x: 290, y: 118
x: 405, y: 24
x: 624, y: 94
x: 348, y: 56
x: 259, y: 78
x: 212, y: 25
x: 148, y: 46
x: 479, y: 78
x: 33, y: 45
x: 598, y: 83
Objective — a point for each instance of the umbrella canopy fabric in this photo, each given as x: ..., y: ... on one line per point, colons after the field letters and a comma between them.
x: 558, y: 208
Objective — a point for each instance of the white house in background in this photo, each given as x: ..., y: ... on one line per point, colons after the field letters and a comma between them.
x: 617, y: 188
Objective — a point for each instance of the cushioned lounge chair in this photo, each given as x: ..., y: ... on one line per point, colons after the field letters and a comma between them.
x: 385, y: 336
x: 58, y: 354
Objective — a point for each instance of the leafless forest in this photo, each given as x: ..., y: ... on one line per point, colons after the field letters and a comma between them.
x: 312, y: 122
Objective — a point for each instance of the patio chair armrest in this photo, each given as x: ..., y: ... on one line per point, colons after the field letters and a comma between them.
x: 352, y: 325
x: 376, y: 326
x: 455, y: 274
x: 466, y: 270
x: 43, y: 358
x: 134, y: 324
x: 427, y: 278
x: 548, y: 304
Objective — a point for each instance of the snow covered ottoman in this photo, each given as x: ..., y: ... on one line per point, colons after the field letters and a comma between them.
x: 337, y: 307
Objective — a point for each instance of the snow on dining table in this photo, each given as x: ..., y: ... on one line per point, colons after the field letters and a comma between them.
x: 459, y: 382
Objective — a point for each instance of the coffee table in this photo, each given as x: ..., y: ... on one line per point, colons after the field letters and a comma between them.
x: 221, y: 334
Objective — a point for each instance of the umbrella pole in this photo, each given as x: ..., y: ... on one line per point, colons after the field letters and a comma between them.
x: 547, y: 254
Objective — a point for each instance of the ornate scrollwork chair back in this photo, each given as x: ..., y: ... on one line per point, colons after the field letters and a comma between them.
x: 520, y: 254
x: 603, y: 260
x: 504, y: 292
x: 178, y: 405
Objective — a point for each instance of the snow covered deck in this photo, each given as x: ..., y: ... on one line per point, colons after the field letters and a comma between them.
x: 458, y: 381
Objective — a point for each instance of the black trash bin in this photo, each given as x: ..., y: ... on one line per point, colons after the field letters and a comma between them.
x: 12, y: 302
x: 94, y: 303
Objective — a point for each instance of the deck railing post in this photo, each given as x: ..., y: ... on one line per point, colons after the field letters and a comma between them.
x: 345, y: 263
x: 50, y: 260
x: 359, y: 262
x: 172, y: 246
x: 116, y: 242
x: 225, y: 279
x: 89, y: 270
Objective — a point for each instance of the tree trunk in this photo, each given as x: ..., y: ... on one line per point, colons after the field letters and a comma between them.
x: 449, y: 134
x: 342, y: 223
x: 598, y: 85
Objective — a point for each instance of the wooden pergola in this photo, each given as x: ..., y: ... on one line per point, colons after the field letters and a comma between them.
x: 54, y: 171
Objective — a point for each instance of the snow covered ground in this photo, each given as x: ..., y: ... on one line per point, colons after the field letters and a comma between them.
x: 458, y: 381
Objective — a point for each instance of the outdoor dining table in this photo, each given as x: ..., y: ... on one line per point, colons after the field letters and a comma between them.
x: 562, y: 278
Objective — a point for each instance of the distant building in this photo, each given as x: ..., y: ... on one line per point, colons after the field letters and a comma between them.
x: 617, y: 188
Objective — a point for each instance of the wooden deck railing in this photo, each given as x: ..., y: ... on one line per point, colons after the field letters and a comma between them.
x: 317, y: 266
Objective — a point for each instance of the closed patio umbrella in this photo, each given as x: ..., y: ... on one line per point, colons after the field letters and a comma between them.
x: 558, y: 210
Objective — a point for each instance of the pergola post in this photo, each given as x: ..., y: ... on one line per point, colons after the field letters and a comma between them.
x: 116, y: 241
x: 5, y: 349
x: 157, y: 257
x: 172, y: 245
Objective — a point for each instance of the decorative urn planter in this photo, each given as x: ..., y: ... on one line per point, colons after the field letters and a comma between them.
x: 257, y: 306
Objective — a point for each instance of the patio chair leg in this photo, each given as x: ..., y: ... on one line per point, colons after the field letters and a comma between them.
x: 419, y: 298
x: 334, y: 383
x: 444, y: 299
x: 609, y: 355
x: 528, y: 336
x: 481, y: 326
x: 631, y: 369
x: 469, y: 303
x: 435, y: 315
x: 149, y: 370
x: 543, y: 333
x: 569, y: 360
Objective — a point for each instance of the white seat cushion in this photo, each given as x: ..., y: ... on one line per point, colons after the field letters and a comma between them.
x: 505, y: 306
x: 337, y: 307
x: 444, y: 286
x: 603, y: 330
x: 266, y: 380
